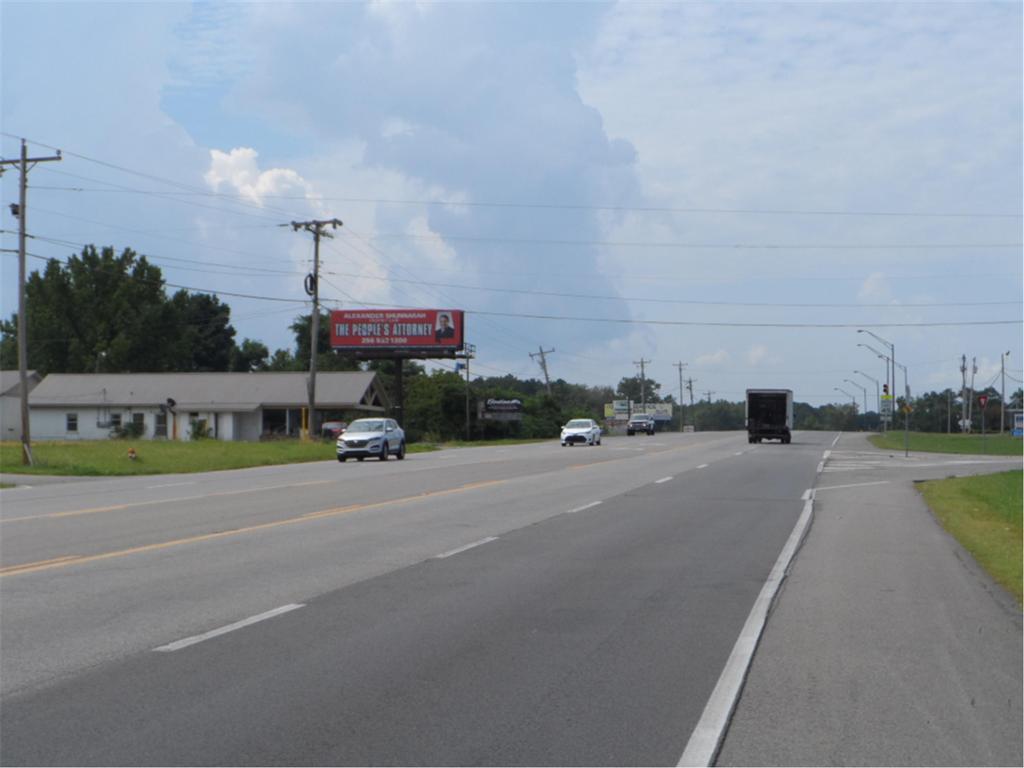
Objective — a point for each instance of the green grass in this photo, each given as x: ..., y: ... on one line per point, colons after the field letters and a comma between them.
x: 984, y: 514
x: 110, y: 457
x: 934, y: 442
x: 6, y: 485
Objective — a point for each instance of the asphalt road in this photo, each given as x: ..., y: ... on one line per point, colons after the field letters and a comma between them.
x: 520, y: 605
x: 563, y: 637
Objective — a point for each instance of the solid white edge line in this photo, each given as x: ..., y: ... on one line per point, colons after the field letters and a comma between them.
x: 663, y: 480
x: 585, y: 506
x: 707, y: 736
x: 464, y: 548
x: 701, y: 466
x: 852, y: 485
x: 806, y: 496
x: 184, y: 643
x: 837, y: 439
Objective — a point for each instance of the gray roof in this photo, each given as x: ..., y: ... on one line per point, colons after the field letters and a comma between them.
x: 10, y: 382
x: 209, y: 391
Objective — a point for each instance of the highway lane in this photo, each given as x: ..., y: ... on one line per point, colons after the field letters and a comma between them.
x: 148, y: 573
x: 563, y: 637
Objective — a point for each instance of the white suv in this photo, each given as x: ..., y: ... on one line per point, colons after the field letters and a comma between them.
x: 371, y: 437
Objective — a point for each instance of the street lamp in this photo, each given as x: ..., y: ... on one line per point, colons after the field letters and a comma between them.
x: 865, y: 389
x: 1002, y: 391
x: 906, y: 408
x: 878, y: 392
x: 892, y: 354
x: 885, y: 422
x: 852, y: 397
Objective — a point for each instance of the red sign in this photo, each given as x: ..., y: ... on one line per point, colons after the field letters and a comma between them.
x: 983, y: 400
x: 397, y: 328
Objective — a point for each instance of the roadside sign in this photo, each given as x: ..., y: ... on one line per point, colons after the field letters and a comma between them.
x: 983, y: 400
x: 886, y: 413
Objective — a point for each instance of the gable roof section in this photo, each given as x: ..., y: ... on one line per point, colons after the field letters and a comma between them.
x: 210, y: 391
x: 10, y: 382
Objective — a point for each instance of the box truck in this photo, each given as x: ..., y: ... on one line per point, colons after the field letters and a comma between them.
x: 769, y: 415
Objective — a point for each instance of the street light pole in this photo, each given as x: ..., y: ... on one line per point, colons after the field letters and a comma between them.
x: 853, y: 398
x: 906, y: 410
x: 887, y: 361
x: 878, y: 391
x: 1002, y: 392
x: 864, y: 389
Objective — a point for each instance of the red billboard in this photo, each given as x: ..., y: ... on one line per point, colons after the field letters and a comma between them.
x: 398, y: 329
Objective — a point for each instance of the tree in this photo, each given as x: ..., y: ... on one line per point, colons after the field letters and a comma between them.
x: 250, y: 356
x: 206, y: 332
x: 629, y: 387
x: 107, y: 312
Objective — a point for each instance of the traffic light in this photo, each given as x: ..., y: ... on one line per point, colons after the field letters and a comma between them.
x: 885, y: 389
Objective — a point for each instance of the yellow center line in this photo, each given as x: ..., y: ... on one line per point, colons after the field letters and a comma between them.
x: 152, y: 502
x: 59, y: 562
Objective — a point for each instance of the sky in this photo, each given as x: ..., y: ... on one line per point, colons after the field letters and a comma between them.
x: 738, y: 187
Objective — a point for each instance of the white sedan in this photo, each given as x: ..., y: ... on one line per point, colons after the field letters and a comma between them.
x: 581, y: 431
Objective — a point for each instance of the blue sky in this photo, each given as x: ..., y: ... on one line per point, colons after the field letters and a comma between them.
x: 651, y: 164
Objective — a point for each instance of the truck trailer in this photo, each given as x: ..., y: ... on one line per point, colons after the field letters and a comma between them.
x: 769, y: 415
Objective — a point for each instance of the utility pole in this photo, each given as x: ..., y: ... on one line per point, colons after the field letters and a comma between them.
x: 693, y: 412
x: 643, y: 383
x: 541, y: 353
x: 468, y: 353
x: 20, y: 211
x: 680, y: 365
x: 970, y: 402
x: 1002, y: 391
x: 317, y: 228
x: 963, y: 393
x: 709, y: 393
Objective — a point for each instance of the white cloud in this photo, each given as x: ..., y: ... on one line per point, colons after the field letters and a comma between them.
x: 239, y: 170
x: 759, y: 356
x: 876, y: 289
x: 713, y: 359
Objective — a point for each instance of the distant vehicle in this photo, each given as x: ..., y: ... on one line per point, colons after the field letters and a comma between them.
x: 640, y: 423
x: 769, y: 415
x: 330, y: 430
x: 371, y: 437
x: 581, y: 431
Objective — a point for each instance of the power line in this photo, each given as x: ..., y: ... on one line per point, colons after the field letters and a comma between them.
x: 610, y: 297
x: 694, y: 246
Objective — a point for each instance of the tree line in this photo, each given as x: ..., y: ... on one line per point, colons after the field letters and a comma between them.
x: 104, y: 312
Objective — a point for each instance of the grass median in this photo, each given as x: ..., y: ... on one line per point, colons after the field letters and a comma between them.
x: 983, y: 513
x: 936, y: 442
x: 110, y: 457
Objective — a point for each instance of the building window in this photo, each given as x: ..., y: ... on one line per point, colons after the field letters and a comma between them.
x: 160, y: 430
x: 115, y: 420
x: 71, y: 423
x: 139, y: 419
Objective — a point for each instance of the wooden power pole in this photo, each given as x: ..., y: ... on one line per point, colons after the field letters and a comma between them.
x: 317, y: 227
x: 25, y: 162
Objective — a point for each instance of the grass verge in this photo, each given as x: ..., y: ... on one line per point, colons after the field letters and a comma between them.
x: 934, y: 442
x: 110, y: 457
x: 983, y: 513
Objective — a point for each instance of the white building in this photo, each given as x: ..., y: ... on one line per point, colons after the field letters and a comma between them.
x: 175, y: 406
x: 10, y: 402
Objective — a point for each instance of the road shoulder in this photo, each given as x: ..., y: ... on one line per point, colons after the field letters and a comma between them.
x: 888, y: 644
